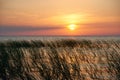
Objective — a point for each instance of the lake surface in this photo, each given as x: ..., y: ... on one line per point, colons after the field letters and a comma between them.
x: 4, y: 38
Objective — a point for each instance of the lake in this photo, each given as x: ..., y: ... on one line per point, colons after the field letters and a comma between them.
x: 4, y: 38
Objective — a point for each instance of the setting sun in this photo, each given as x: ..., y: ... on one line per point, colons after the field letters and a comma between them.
x: 72, y: 26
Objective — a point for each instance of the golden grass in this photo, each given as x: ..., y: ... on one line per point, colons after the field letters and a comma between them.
x: 60, y: 60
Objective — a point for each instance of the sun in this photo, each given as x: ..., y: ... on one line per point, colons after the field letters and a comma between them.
x: 72, y: 27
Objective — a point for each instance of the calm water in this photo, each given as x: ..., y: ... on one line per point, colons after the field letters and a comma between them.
x: 5, y: 38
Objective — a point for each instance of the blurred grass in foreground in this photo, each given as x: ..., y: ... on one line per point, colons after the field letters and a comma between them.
x: 60, y: 60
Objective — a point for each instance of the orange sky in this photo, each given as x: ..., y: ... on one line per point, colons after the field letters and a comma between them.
x: 51, y: 17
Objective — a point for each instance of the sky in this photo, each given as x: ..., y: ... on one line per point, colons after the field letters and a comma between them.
x: 56, y: 17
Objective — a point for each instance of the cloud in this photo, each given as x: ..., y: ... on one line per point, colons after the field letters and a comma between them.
x: 8, y: 29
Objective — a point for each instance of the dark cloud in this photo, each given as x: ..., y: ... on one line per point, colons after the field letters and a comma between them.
x: 6, y: 29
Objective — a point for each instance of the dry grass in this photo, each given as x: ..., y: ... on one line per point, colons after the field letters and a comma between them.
x: 60, y: 60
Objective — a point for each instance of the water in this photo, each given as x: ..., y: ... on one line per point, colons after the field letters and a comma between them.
x: 5, y: 38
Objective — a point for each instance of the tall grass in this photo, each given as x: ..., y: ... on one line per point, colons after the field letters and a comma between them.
x: 60, y: 60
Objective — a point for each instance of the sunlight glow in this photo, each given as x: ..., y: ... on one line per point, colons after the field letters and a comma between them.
x: 72, y: 27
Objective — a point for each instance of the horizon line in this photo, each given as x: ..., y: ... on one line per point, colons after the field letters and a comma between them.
x: 60, y: 35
